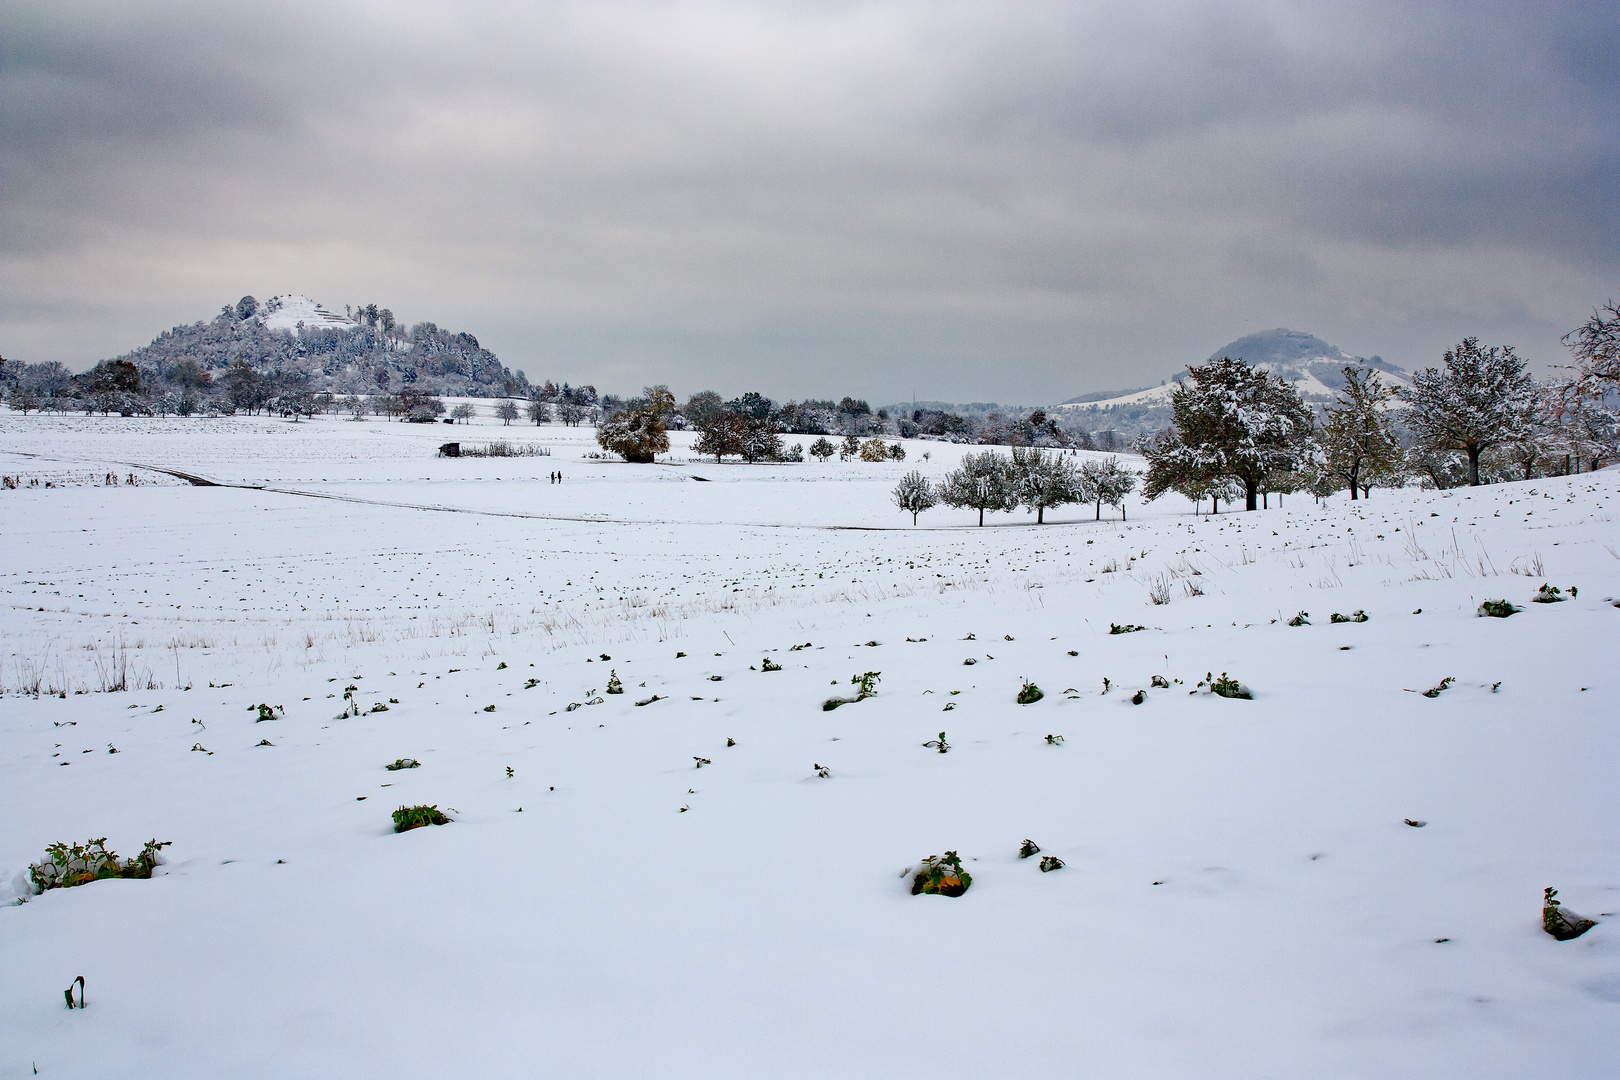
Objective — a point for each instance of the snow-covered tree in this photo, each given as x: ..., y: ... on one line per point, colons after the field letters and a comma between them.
x: 1359, y: 433
x: 914, y: 494
x: 1232, y: 421
x: 822, y: 449
x: 983, y: 482
x: 1482, y: 398
x: 538, y: 410
x: 722, y: 434
x: 637, y: 435
x: 1596, y: 347
x: 1042, y: 479
x: 1106, y: 482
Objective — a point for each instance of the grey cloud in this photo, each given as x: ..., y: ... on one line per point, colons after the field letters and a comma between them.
x: 1014, y: 201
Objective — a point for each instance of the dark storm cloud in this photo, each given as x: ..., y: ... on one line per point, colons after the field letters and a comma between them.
x: 1014, y: 201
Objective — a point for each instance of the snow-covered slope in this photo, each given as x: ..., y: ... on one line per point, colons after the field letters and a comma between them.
x: 290, y: 311
x: 661, y: 883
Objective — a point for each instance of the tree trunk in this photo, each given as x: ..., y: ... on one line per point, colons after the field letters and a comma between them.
x: 1355, y: 474
x: 1214, y: 504
x: 981, y: 517
x: 1250, y: 492
x: 1473, y: 466
x: 1099, y: 509
x: 1040, y: 515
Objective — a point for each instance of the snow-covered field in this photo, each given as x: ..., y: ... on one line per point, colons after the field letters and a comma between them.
x: 1241, y: 897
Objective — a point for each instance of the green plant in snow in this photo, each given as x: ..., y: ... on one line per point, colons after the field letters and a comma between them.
x: 766, y: 665
x: 79, y: 864
x: 1054, y: 740
x: 939, y: 744
x: 1300, y: 619
x: 868, y: 688
x: 1497, y: 609
x: 403, y: 763
x: 266, y: 712
x: 1549, y: 594
x: 1030, y: 694
x: 407, y: 818
x: 614, y: 686
x: 1436, y: 691
x: 1161, y: 682
x: 1561, y: 924
x: 1116, y: 628
x: 941, y: 875
x: 1050, y: 863
x: 1224, y: 687
x: 1028, y: 848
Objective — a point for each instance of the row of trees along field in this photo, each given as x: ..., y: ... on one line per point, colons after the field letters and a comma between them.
x: 1030, y: 477
x: 1478, y: 417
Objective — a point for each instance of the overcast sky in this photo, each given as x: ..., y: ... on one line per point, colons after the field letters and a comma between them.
x: 996, y: 201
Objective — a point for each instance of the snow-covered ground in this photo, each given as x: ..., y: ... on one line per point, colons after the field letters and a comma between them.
x: 1241, y: 897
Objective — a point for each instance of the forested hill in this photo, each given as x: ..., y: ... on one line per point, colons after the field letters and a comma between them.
x: 363, y: 351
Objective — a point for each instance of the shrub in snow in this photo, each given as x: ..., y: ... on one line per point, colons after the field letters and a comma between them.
x: 1030, y: 694
x: 1116, y: 628
x: 407, y: 818
x: 266, y: 712
x: 1561, y: 924
x: 942, y: 875
x: 1354, y: 616
x: 1550, y: 594
x: 403, y: 763
x: 1436, y: 691
x: 1050, y: 863
x: 868, y: 688
x: 1300, y: 619
x: 65, y: 866
x: 614, y: 686
x: 1028, y: 848
x: 1497, y: 609
x: 1224, y: 686
x: 766, y: 665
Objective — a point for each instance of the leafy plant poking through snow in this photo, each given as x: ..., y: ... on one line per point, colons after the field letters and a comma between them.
x: 65, y: 866
x: 868, y: 688
x: 403, y: 763
x: 1161, y: 682
x: 1116, y: 628
x: 701, y: 761
x: 1300, y: 619
x: 1028, y: 848
x: 407, y: 818
x: 766, y: 665
x: 1050, y: 863
x: 1497, y: 609
x: 1550, y: 594
x: 614, y: 686
x: 939, y: 744
x: 1436, y: 691
x: 1030, y: 694
x: 1225, y: 686
x: 821, y: 770
x: 1562, y: 924
x: 941, y: 875
x: 267, y: 712
x: 1054, y: 740
x: 1354, y: 616
x: 68, y: 993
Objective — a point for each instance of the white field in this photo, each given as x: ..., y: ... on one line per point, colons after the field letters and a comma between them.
x: 1241, y: 897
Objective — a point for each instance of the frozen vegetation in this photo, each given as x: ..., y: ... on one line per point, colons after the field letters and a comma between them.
x: 714, y: 874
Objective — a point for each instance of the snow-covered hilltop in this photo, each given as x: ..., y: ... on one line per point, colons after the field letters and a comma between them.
x: 1313, y: 367
x: 293, y: 312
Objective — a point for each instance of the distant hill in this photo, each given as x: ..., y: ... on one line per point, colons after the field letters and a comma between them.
x: 354, y: 353
x: 1315, y: 368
